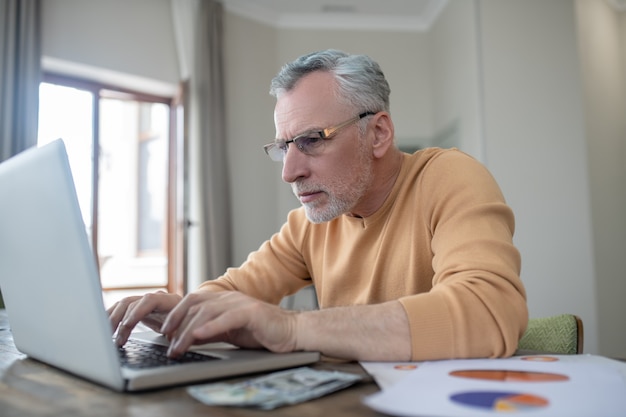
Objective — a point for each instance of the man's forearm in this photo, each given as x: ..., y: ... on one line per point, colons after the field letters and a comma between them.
x: 370, y: 333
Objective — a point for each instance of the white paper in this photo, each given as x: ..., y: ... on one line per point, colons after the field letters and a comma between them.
x: 590, y: 386
x: 387, y: 374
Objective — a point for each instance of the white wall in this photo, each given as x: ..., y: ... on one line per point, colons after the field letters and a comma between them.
x: 602, y: 39
x: 507, y: 78
x: 535, y: 146
x: 127, y: 37
x: 455, y: 65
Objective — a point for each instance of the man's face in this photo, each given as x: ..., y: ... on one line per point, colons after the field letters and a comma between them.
x: 335, y: 180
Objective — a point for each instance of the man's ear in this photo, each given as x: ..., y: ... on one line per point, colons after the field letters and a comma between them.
x: 383, y: 133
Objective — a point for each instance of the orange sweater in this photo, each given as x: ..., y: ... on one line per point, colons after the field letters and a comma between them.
x: 441, y: 244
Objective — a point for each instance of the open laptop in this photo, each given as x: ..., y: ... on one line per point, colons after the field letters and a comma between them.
x: 51, y: 286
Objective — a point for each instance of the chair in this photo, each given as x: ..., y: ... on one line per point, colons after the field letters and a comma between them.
x: 561, y: 334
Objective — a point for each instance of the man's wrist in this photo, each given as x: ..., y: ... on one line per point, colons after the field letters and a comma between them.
x: 303, y: 330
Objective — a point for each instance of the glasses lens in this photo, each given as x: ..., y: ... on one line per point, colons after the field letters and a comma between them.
x: 308, y: 144
x: 275, y: 152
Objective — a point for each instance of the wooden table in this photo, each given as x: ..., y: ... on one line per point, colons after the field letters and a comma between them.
x: 31, y: 388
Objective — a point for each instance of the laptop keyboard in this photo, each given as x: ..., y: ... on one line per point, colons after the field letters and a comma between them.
x: 137, y: 354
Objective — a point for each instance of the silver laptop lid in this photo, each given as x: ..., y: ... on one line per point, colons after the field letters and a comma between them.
x: 48, y: 274
x: 52, y: 290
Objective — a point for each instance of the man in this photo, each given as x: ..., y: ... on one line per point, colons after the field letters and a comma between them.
x: 411, y: 255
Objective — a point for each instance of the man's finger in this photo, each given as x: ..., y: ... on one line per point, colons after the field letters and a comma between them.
x: 177, y: 315
x: 139, y: 310
x: 118, y: 310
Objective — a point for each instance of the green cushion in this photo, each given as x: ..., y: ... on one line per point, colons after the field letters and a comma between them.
x: 557, y: 334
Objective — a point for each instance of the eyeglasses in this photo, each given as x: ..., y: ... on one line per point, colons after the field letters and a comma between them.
x: 308, y: 143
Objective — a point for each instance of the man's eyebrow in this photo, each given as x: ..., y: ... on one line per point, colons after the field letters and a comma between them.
x: 304, y: 133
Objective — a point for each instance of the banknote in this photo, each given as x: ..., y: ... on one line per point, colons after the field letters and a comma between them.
x: 274, y: 390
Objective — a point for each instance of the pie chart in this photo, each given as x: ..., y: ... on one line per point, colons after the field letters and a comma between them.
x: 500, y: 401
x: 509, y: 375
x: 540, y: 358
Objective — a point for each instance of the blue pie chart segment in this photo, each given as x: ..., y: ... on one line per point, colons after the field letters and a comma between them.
x: 500, y: 401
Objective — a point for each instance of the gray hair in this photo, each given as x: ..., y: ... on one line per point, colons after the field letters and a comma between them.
x: 360, y: 81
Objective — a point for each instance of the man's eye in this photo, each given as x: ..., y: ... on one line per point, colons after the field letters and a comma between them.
x: 308, y: 142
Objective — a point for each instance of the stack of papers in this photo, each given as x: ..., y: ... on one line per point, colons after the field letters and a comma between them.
x: 534, y: 385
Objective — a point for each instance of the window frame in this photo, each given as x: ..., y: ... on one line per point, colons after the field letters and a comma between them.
x: 175, y: 242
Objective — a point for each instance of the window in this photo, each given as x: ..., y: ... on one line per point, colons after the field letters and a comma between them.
x: 120, y: 145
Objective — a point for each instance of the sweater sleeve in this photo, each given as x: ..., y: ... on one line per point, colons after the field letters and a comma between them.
x: 477, y: 305
x: 275, y: 270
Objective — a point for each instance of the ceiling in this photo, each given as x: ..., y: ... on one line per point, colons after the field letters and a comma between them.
x: 400, y: 15
x: 394, y: 15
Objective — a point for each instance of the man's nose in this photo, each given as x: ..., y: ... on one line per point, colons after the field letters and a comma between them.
x: 294, y: 164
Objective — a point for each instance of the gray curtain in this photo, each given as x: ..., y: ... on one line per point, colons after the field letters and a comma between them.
x: 199, y: 33
x: 208, y: 82
x: 20, y: 74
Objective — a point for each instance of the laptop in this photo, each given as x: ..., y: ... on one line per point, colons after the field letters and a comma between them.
x: 52, y: 291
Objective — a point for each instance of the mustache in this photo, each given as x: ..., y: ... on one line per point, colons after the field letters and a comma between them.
x: 299, y: 187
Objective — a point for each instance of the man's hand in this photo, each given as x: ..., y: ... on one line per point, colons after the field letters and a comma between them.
x: 232, y: 317
x: 150, y: 309
x: 369, y: 332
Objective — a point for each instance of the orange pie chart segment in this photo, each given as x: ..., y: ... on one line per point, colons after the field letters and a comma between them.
x: 509, y: 376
